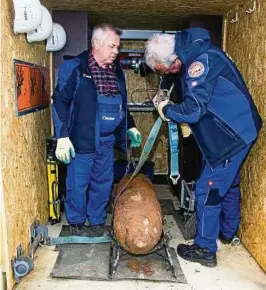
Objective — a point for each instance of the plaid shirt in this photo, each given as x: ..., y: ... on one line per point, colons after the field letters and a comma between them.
x: 105, y: 78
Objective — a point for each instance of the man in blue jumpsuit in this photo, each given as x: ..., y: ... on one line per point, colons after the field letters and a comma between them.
x: 90, y: 118
x: 221, y: 115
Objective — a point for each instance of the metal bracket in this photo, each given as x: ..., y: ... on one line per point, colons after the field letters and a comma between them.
x: 188, y: 196
x: 19, y: 250
x: 251, y: 10
x: 36, y: 228
x: 234, y: 20
x: 174, y: 179
x: 22, y: 265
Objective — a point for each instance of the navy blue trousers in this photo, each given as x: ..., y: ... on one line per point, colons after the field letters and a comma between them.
x: 89, y: 184
x: 218, y: 201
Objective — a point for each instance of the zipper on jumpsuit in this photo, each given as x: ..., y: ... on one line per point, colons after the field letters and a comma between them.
x: 218, y: 121
x: 121, y: 110
x: 97, y: 120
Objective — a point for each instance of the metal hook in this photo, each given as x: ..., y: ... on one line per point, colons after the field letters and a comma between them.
x: 234, y: 20
x: 250, y: 10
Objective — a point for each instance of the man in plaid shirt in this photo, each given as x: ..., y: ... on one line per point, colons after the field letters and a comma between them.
x: 90, y: 119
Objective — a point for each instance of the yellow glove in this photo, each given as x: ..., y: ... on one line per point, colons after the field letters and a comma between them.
x: 186, y: 131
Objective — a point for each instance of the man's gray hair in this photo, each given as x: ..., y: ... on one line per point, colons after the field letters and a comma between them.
x: 99, y: 32
x: 160, y: 49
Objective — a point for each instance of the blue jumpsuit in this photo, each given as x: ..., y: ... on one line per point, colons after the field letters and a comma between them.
x: 224, y: 122
x: 90, y: 176
x: 95, y: 124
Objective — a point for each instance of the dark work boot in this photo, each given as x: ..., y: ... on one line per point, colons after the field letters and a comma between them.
x: 99, y: 230
x: 225, y: 240
x: 79, y: 230
x: 234, y: 241
x: 194, y: 253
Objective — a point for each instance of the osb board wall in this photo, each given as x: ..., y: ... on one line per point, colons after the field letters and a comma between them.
x: 23, y: 138
x: 146, y: 87
x: 245, y: 43
x: 139, y: 14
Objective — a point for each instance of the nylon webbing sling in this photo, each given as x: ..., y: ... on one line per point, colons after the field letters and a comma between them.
x: 145, y: 153
x: 78, y: 240
x: 173, y: 140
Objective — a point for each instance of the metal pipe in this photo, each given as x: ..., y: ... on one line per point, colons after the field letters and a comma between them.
x: 34, y: 245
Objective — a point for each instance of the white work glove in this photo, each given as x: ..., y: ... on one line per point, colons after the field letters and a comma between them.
x: 160, y: 100
x: 186, y: 131
x: 64, y: 150
x: 135, y: 137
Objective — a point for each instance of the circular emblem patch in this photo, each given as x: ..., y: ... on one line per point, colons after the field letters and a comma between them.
x: 196, y: 69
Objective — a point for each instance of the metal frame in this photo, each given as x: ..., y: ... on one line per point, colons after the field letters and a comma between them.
x: 141, y: 34
x: 161, y: 249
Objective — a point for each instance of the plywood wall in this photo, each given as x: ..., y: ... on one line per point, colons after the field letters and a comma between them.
x: 139, y: 90
x: 139, y: 14
x: 245, y: 42
x: 23, y: 165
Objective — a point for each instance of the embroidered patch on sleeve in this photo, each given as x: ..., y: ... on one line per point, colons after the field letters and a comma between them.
x: 196, y: 69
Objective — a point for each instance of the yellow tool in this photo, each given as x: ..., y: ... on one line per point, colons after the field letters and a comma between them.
x: 52, y: 172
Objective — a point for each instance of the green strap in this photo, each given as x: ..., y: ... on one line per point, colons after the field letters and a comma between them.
x: 144, y: 154
x: 78, y: 240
